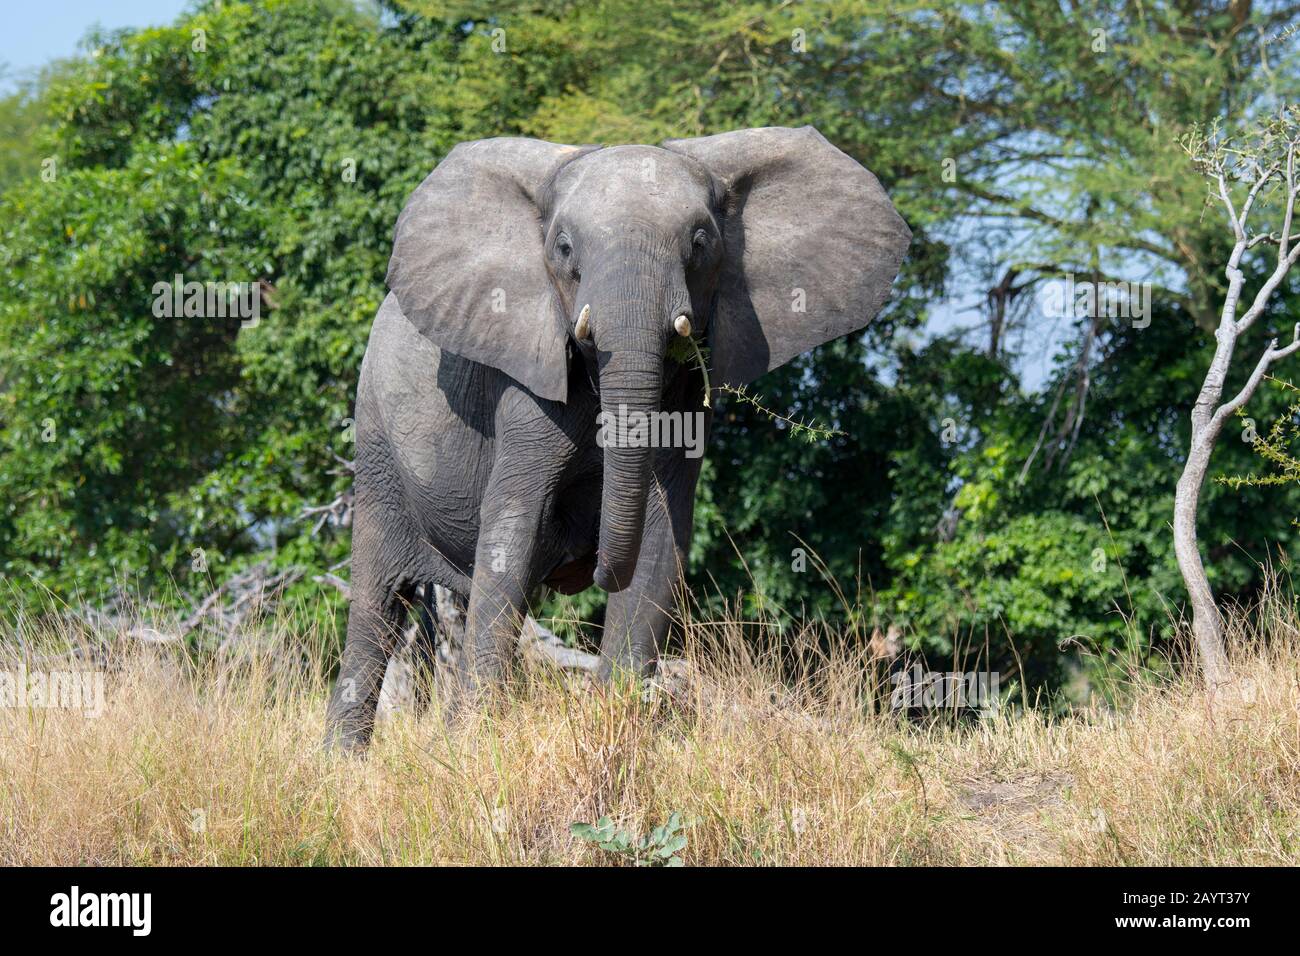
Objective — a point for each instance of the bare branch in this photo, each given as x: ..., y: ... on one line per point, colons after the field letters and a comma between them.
x: 1271, y: 354
x: 1266, y: 291
x: 1290, y: 201
x: 339, y: 511
x: 537, y: 643
x: 1262, y: 177
x: 333, y: 580
x: 1238, y: 226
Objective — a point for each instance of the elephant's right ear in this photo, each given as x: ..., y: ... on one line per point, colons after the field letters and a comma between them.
x: 468, y: 265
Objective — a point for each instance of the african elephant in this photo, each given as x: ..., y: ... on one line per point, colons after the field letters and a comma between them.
x: 535, y: 286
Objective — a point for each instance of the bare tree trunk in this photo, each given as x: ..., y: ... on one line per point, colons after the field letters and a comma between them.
x: 1208, y: 416
x: 1207, y: 622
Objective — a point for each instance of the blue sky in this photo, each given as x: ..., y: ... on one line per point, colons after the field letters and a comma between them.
x: 38, y: 31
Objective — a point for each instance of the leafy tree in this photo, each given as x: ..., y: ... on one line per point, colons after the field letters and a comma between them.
x: 255, y: 150
x: 278, y: 144
x: 22, y: 114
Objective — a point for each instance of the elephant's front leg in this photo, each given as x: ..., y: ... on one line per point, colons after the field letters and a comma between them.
x: 503, y: 570
x: 383, y: 552
x: 637, y: 618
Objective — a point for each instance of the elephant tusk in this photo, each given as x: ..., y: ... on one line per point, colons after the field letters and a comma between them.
x: 582, y: 328
x: 683, y: 326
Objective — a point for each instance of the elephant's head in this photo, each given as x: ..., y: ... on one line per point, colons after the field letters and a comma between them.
x: 517, y: 252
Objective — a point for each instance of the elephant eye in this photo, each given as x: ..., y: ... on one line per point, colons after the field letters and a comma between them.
x: 564, y: 246
x: 700, y: 239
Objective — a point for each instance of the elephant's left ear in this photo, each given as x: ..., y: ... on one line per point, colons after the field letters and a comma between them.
x: 812, y: 245
x: 468, y: 265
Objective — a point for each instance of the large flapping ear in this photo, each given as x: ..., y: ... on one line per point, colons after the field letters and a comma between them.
x: 468, y: 265
x: 812, y: 245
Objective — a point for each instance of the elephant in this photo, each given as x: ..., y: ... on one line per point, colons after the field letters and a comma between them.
x: 535, y: 293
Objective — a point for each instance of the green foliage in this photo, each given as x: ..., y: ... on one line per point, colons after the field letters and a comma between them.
x: 110, y: 411
x: 1077, y: 555
x: 23, y: 114
x: 1275, y: 446
x: 1008, y: 135
x: 660, y: 847
x: 172, y: 436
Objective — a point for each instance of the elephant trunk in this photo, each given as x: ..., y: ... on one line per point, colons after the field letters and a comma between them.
x: 631, y: 364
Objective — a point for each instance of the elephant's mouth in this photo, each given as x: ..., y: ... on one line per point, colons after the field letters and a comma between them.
x: 573, y: 575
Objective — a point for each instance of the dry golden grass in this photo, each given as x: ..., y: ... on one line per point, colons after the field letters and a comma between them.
x: 217, y: 761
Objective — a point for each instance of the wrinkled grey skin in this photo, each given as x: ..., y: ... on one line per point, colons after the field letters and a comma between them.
x: 477, y: 465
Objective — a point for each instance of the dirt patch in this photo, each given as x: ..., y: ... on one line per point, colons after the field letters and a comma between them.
x: 1017, y: 812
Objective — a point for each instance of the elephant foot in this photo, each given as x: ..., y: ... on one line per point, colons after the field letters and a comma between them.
x: 348, y: 734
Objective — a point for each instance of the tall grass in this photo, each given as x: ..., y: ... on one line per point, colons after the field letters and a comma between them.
x: 772, y: 756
